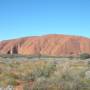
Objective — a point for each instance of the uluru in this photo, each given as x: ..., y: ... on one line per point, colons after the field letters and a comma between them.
x: 47, y: 45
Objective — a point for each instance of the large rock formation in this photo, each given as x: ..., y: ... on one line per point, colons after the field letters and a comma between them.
x: 49, y: 45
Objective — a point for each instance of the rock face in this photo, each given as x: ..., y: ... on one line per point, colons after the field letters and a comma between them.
x: 49, y: 45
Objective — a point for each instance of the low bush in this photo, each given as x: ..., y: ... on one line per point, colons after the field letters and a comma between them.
x: 84, y: 56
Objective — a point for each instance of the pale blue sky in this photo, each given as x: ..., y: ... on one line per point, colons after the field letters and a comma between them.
x: 20, y: 18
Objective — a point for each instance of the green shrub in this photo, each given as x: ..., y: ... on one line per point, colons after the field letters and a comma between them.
x: 44, y: 71
x: 28, y: 78
x: 12, y: 82
x: 84, y: 56
x: 26, y: 86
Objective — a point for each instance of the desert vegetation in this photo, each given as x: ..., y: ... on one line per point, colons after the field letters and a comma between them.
x: 84, y: 56
x: 52, y: 74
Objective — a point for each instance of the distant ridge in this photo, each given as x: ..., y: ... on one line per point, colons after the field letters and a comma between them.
x: 47, y: 45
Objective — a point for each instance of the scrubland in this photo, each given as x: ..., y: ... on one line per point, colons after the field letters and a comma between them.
x: 45, y: 73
